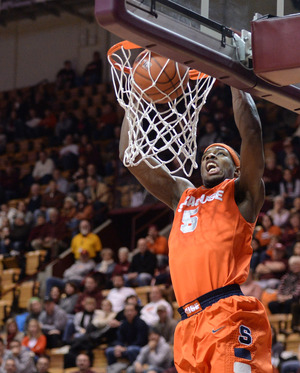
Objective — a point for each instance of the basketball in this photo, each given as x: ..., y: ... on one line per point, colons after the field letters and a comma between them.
x: 159, y: 79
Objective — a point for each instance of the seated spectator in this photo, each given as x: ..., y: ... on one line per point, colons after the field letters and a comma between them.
x: 289, y: 187
x: 22, y: 357
x: 54, y: 235
x: 37, y: 229
x: 267, y: 230
x: 156, y: 356
x: 75, y: 273
x: 34, y: 339
x: 68, y: 210
x: 83, y: 122
x: 64, y: 125
x: 92, y: 159
x: 61, y: 182
x: 288, y: 289
x: 296, y: 205
x: 9, y: 366
x: 84, y: 211
x: 92, y: 171
x: 55, y: 294
x: 68, y: 154
x: 119, y: 293
x: 43, y: 168
x: 90, y: 290
x: 272, y: 176
x: 4, y: 353
x: 66, y: 77
x: 287, y: 148
x: 11, y: 332
x: 122, y: 266
x: 273, y: 268
x: 210, y: 136
x: 95, y: 333
x: 278, y: 213
x: 6, y: 246
x: 99, y: 194
x: 291, y: 230
x: 4, y: 221
x: 83, y: 363
x: 158, y: 245
x: 107, y: 264
x: 9, y: 183
x: 142, y: 266
x: 291, y: 162
x: 251, y: 288
x: 53, y: 198
x: 53, y: 321
x: 32, y: 123
x: 105, y: 128
x: 43, y: 364
x: 296, y: 249
x: 69, y: 298
x: 79, y: 183
x: 34, y: 308
x: 165, y: 325
x: 35, y: 199
x: 257, y: 253
x: 19, y: 233
x: 86, y: 240
x: 93, y: 71
x: 149, y: 311
x: 132, y: 335
x: 23, y: 208
x: 84, y: 318
x: 48, y: 122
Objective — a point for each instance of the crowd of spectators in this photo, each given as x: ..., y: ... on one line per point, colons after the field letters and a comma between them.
x: 68, y: 191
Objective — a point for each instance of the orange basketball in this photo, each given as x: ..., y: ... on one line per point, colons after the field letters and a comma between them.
x: 156, y: 76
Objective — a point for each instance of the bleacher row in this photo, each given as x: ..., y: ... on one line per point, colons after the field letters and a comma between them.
x: 15, y: 294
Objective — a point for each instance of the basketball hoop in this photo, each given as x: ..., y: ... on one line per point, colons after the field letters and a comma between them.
x: 166, y: 132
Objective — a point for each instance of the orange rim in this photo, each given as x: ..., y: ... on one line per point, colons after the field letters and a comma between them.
x: 194, y: 74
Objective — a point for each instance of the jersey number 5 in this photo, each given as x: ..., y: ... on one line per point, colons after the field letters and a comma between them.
x: 189, y: 221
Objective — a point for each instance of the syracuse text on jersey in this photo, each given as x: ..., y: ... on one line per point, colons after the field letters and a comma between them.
x: 192, y: 201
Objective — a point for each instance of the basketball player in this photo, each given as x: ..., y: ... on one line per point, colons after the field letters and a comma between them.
x: 209, y: 251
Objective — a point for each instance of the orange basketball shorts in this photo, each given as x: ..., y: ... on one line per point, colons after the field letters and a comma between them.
x: 232, y: 335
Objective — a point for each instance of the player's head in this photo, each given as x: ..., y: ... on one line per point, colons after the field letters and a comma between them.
x: 219, y: 162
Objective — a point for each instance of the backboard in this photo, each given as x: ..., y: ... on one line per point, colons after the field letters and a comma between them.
x: 204, y: 35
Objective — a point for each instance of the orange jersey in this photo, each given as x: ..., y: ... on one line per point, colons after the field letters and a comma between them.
x: 210, y: 242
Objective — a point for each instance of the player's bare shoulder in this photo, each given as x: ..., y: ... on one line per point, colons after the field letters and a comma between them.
x: 181, y: 185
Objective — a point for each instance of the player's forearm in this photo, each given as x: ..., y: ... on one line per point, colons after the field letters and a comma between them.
x: 246, y: 116
x: 123, y: 138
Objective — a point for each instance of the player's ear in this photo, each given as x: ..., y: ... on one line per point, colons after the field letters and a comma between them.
x: 237, y: 172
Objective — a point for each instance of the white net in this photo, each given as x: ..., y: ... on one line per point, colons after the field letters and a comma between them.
x: 164, y: 132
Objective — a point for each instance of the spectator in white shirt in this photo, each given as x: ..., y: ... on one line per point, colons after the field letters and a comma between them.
x: 118, y: 294
x: 42, y: 171
x: 149, y: 311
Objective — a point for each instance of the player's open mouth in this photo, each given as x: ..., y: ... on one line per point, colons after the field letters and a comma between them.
x: 212, y: 168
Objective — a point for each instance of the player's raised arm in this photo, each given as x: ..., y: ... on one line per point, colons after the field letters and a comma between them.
x: 250, y: 187
x: 158, y: 181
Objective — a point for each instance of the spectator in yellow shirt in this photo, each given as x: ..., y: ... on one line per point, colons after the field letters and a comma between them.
x: 85, y: 240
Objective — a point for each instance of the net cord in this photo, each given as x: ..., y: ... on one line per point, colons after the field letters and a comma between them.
x: 159, y: 134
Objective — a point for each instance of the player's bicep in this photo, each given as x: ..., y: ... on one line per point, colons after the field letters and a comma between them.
x: 250, y: 186
x: 252, y: 165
